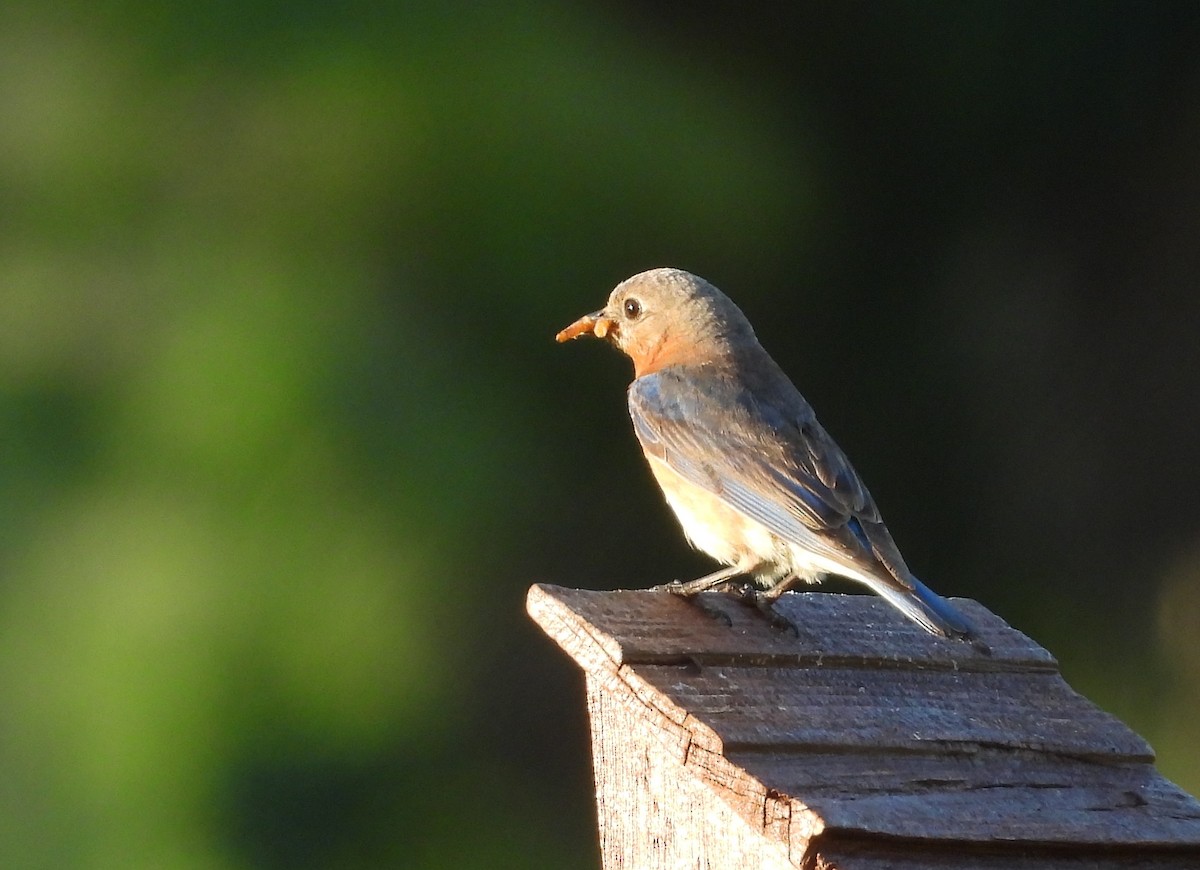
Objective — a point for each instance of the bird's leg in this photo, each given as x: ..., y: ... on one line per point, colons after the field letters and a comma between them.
x: 701, y: 584
x: 745, y: 591
x: 782, y: 586
x: 690, y: 591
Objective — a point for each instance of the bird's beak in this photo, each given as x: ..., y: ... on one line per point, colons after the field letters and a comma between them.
x: 590, y: 324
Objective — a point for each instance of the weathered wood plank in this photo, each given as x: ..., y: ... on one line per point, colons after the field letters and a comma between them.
x: 859, y: 855
x: 639, y: 626
x: 1029, y: 816
x: 837, y: 774
x: 858, y: 709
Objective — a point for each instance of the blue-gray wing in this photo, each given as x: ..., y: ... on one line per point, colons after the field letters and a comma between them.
x: 776, y: 465
x: 763, y: 452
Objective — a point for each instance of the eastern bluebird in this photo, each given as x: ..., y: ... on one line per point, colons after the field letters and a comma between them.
x: 754, y: 479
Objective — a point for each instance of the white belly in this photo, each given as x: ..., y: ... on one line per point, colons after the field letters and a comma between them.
x: 734, y: 539
x: 714, y: 527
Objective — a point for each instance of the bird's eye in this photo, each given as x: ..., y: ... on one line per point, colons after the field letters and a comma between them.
x: 633, y: 309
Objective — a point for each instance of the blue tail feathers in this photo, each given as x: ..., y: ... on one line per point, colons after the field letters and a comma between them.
x: 952, y: 622
x: 926, y: 608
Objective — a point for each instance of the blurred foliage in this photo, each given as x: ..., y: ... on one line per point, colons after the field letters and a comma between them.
x: 284, y: 436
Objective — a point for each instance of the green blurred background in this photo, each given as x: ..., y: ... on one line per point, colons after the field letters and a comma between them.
x: 284, y: 435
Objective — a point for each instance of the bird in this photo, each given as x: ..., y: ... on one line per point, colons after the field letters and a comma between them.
x: 753, y: 478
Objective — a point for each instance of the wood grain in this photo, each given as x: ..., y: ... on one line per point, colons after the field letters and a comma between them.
x: 862, y: 743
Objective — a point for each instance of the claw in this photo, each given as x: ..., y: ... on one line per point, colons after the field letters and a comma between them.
x: 699, y: 602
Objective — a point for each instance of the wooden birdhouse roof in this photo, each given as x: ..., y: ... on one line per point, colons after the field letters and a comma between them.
x: 861, y: 743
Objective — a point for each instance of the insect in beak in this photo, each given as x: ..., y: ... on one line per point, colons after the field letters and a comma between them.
x: 590, y: 324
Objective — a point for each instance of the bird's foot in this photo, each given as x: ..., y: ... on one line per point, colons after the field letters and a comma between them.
x: 764, y: 602
x: 744, y: 591
x: 704, y: 605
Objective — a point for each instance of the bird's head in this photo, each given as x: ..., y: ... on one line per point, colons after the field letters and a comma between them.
x: 664, y: 317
